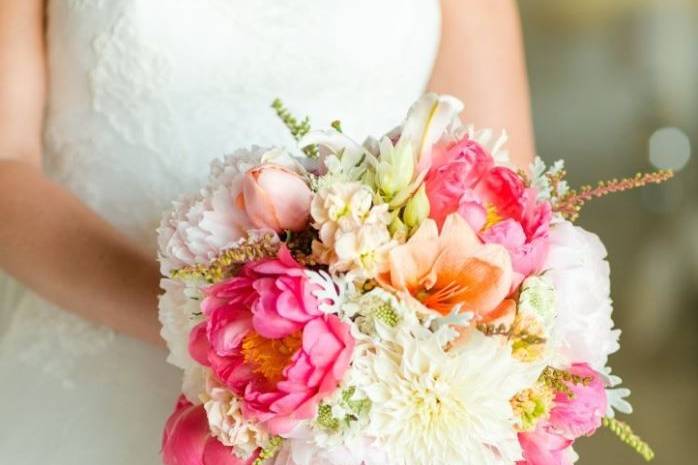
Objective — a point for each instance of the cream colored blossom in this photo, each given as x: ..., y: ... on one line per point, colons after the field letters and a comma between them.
x: 354, y: 235
x: 433, y: 407
x: 227, y: 423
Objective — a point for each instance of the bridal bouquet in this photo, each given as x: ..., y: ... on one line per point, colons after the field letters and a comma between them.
x: 412, y: 300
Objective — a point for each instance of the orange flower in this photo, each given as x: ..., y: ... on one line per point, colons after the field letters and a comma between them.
x: 451, y: 269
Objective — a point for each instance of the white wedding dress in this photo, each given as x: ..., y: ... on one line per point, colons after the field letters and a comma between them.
x: 143, y: 94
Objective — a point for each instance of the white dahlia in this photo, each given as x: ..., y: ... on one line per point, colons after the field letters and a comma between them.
x: 577, y: 266
x: 430, y: 406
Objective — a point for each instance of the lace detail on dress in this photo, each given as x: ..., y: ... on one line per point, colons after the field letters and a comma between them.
x: 52, y: 332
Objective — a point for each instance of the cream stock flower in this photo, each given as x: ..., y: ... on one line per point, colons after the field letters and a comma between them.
x: 354, y: 235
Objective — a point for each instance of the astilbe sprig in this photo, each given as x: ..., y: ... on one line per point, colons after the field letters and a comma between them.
x: 557, y: 380
x: 227, y: 263
x: 297, y: 129
x: 570, y: 204
x: 625, y: 433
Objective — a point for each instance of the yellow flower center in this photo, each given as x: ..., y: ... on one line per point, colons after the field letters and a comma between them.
x: 492, y: 217
x: 269, y: 357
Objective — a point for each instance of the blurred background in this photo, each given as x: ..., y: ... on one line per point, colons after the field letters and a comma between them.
x: 615, y: 91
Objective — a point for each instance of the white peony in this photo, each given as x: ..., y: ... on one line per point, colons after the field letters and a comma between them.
x: 577, y: 266
x: 199, y: 227
x: 178, y: 313
x: 437, y: 407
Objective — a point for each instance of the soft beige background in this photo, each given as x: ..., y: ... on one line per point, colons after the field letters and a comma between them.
x: 605, y: 75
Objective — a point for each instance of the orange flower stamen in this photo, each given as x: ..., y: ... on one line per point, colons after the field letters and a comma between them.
x: 269, y: 357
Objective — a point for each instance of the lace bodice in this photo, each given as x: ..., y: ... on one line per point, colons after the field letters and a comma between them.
x: 146, y: 92
x: 142, y: 95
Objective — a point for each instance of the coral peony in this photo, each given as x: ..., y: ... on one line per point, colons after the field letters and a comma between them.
x: 266, y: 339
x: 494, y: 201
x: 581, y: 414
x: 188, y: 441
x: 277, y: 198
x: 453, y: 269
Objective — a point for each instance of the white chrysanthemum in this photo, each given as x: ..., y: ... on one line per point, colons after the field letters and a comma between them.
x: 353, y: 232
x: 437, y: 407
x: 577, y: 266
x: 229, y: 426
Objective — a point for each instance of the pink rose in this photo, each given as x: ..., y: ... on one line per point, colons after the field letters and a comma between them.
x: 580, y: 415
x: 187, y: 440
x: 276, y: 198
x: 493, y: 200
x: 266, y: 339
x: 542, y: 447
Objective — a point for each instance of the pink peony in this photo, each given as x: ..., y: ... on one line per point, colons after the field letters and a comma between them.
x: 580, y: 415
x: 494, y: 201
x: 188, y: 441
x: 276, y: 198
x: 266, y: 339
x: 542, y: 447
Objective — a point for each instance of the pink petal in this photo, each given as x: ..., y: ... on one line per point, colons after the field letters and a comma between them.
x: 198, y: 344
x: 268, y: 323
x: 215, y: 453
x: 227, y: 329
x: 188, y: 432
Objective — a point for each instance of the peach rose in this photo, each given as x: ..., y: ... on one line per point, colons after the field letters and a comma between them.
x: 277, y: 198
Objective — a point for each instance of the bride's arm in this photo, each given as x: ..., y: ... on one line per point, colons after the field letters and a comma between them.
x: 481, y: 61
x: 48, y: 239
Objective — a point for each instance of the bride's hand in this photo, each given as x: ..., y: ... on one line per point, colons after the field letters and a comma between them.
x: 49, y: 240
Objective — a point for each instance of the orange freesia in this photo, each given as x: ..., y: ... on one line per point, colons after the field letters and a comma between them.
x: 451, y: 269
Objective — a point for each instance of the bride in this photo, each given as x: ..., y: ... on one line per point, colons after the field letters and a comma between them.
x: 111, y: 108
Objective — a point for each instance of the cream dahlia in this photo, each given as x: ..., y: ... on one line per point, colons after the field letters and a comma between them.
x: 433, y: 407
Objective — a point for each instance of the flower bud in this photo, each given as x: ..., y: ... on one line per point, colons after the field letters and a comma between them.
x: 417, y: 209
x: 395, y: 168
x: 398, y: 230
x: 276, y: 198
